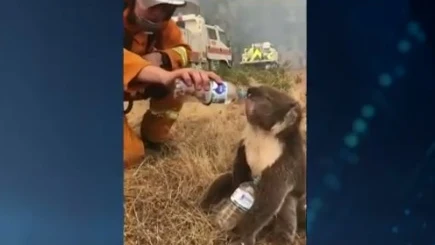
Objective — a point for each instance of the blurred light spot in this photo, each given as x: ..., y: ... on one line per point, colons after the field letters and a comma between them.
x: 407, y: 212
x: 404, y: 46
x: 399, y: 71
x: 395, y: 229
x: 368, y: 111
x: 413, y: 28
x: 421, y: 37
x: 315, y: 204
x: 359, y: 125
x: 351, y: 140
x: 332, y: 182
x: 385, y: 80
x: 419, y: 195
x: 424, y: 225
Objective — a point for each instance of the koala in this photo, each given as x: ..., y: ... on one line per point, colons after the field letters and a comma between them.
x: 272, y: 148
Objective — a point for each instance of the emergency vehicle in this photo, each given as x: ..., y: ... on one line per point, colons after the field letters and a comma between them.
x: 261, y: 55
x: 210, y: 46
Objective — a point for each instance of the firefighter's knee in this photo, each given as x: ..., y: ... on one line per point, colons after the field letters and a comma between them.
x: 133, y: 147
x: 158, y: 120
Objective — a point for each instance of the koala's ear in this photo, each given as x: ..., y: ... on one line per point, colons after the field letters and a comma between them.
x: 292, y: 114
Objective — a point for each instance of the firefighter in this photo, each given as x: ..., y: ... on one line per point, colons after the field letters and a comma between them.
x: 154, y: 52
x: 245, y: 55
x: 250, y: 52
x: 267, y: 52
x: 256, y: 54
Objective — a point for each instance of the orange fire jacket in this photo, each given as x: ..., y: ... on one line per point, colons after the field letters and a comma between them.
x: 169, y: 40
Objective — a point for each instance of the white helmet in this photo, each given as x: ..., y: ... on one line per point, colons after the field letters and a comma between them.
x: 152, y: 26
x: 152, y: 3
x: 267, y: 45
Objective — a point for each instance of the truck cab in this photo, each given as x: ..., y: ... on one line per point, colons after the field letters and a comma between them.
x: 210, y: 45
x: 219, y: 49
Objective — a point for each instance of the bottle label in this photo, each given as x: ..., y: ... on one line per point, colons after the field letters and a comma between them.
x: 219, y: 92
x: 242, y: 199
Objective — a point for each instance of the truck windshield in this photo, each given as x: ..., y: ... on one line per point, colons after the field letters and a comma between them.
x: 189, y: 8
x: 211, y: 33
x: 223, y: 38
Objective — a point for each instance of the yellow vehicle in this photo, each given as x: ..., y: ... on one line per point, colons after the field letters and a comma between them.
x: 260, y: 55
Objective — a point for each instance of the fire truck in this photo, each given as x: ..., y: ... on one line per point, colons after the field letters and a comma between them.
x: 262, y: 55
x: 210, y: 45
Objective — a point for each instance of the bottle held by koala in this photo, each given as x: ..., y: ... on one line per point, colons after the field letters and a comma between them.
x: 223, y: 93
x: 236, y: 206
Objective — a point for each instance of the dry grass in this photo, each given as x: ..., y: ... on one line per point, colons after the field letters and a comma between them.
x: 162, y: 194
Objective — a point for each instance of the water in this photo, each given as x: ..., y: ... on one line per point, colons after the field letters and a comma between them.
x: 223, y: 93
x: 236, y: 206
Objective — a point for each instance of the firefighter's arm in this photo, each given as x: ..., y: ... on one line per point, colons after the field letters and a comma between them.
x: 139, y: 70
x: 133, y: 64
x: 177, y: 51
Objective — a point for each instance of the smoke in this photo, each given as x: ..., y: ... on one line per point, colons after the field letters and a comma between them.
x: 281, y: 22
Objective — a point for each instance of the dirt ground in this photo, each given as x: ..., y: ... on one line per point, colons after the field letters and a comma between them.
x: 162, y: 193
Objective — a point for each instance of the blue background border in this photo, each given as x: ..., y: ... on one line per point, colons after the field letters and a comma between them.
x: 371, y: 141
x: 61, y: 177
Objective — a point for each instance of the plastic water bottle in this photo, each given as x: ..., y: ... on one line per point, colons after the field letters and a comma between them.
x: 238, y: 204
x: 223, y: 93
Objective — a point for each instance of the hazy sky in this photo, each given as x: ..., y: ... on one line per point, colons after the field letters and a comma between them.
x: 282, y: 22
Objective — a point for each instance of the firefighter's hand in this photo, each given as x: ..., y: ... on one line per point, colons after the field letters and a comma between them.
x: 155, y: 58
x: 192, y: 77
